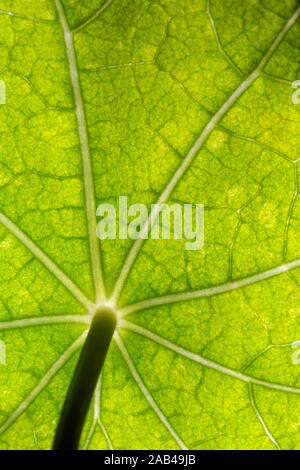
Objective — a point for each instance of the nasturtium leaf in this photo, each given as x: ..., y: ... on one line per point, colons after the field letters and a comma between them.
x: 186, y: 101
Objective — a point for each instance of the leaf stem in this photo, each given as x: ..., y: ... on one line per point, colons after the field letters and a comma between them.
x: 84, y: 380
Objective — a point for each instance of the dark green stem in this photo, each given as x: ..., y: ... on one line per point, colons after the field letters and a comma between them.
x: 84, y: 380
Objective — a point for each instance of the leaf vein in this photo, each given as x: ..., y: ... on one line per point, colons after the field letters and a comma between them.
x: 46, y: 261
x: 260, y: 418
x: 146, y: 392
x: 209, y: 291
x: 93, y: 17
x: 220, y: 47
x: 40, y: 321
x: 44, y: 382
x: 136, y: 247
x: 204, y: 361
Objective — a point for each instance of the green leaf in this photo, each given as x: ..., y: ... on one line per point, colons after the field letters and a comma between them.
x: 186, y: 101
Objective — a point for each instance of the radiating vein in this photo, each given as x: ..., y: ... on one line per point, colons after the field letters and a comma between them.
x: 97, y: 418
x: 204, y: 361
x: 290, y: 212
x: 93, y: 17
x: 220, y: 47
x: 33, y: 20
x: 97, y: 411
x: 253, y: 403
x: 245, y: 85
x: 86, y: 156
x: 90, y: 435
x: 208, y: 292
x: 42, y: 321
x: 146, y: 392
x: 46, y: 261
x: 64, y: 358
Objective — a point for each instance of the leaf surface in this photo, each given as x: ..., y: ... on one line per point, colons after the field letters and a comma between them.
x: 186, y: 101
